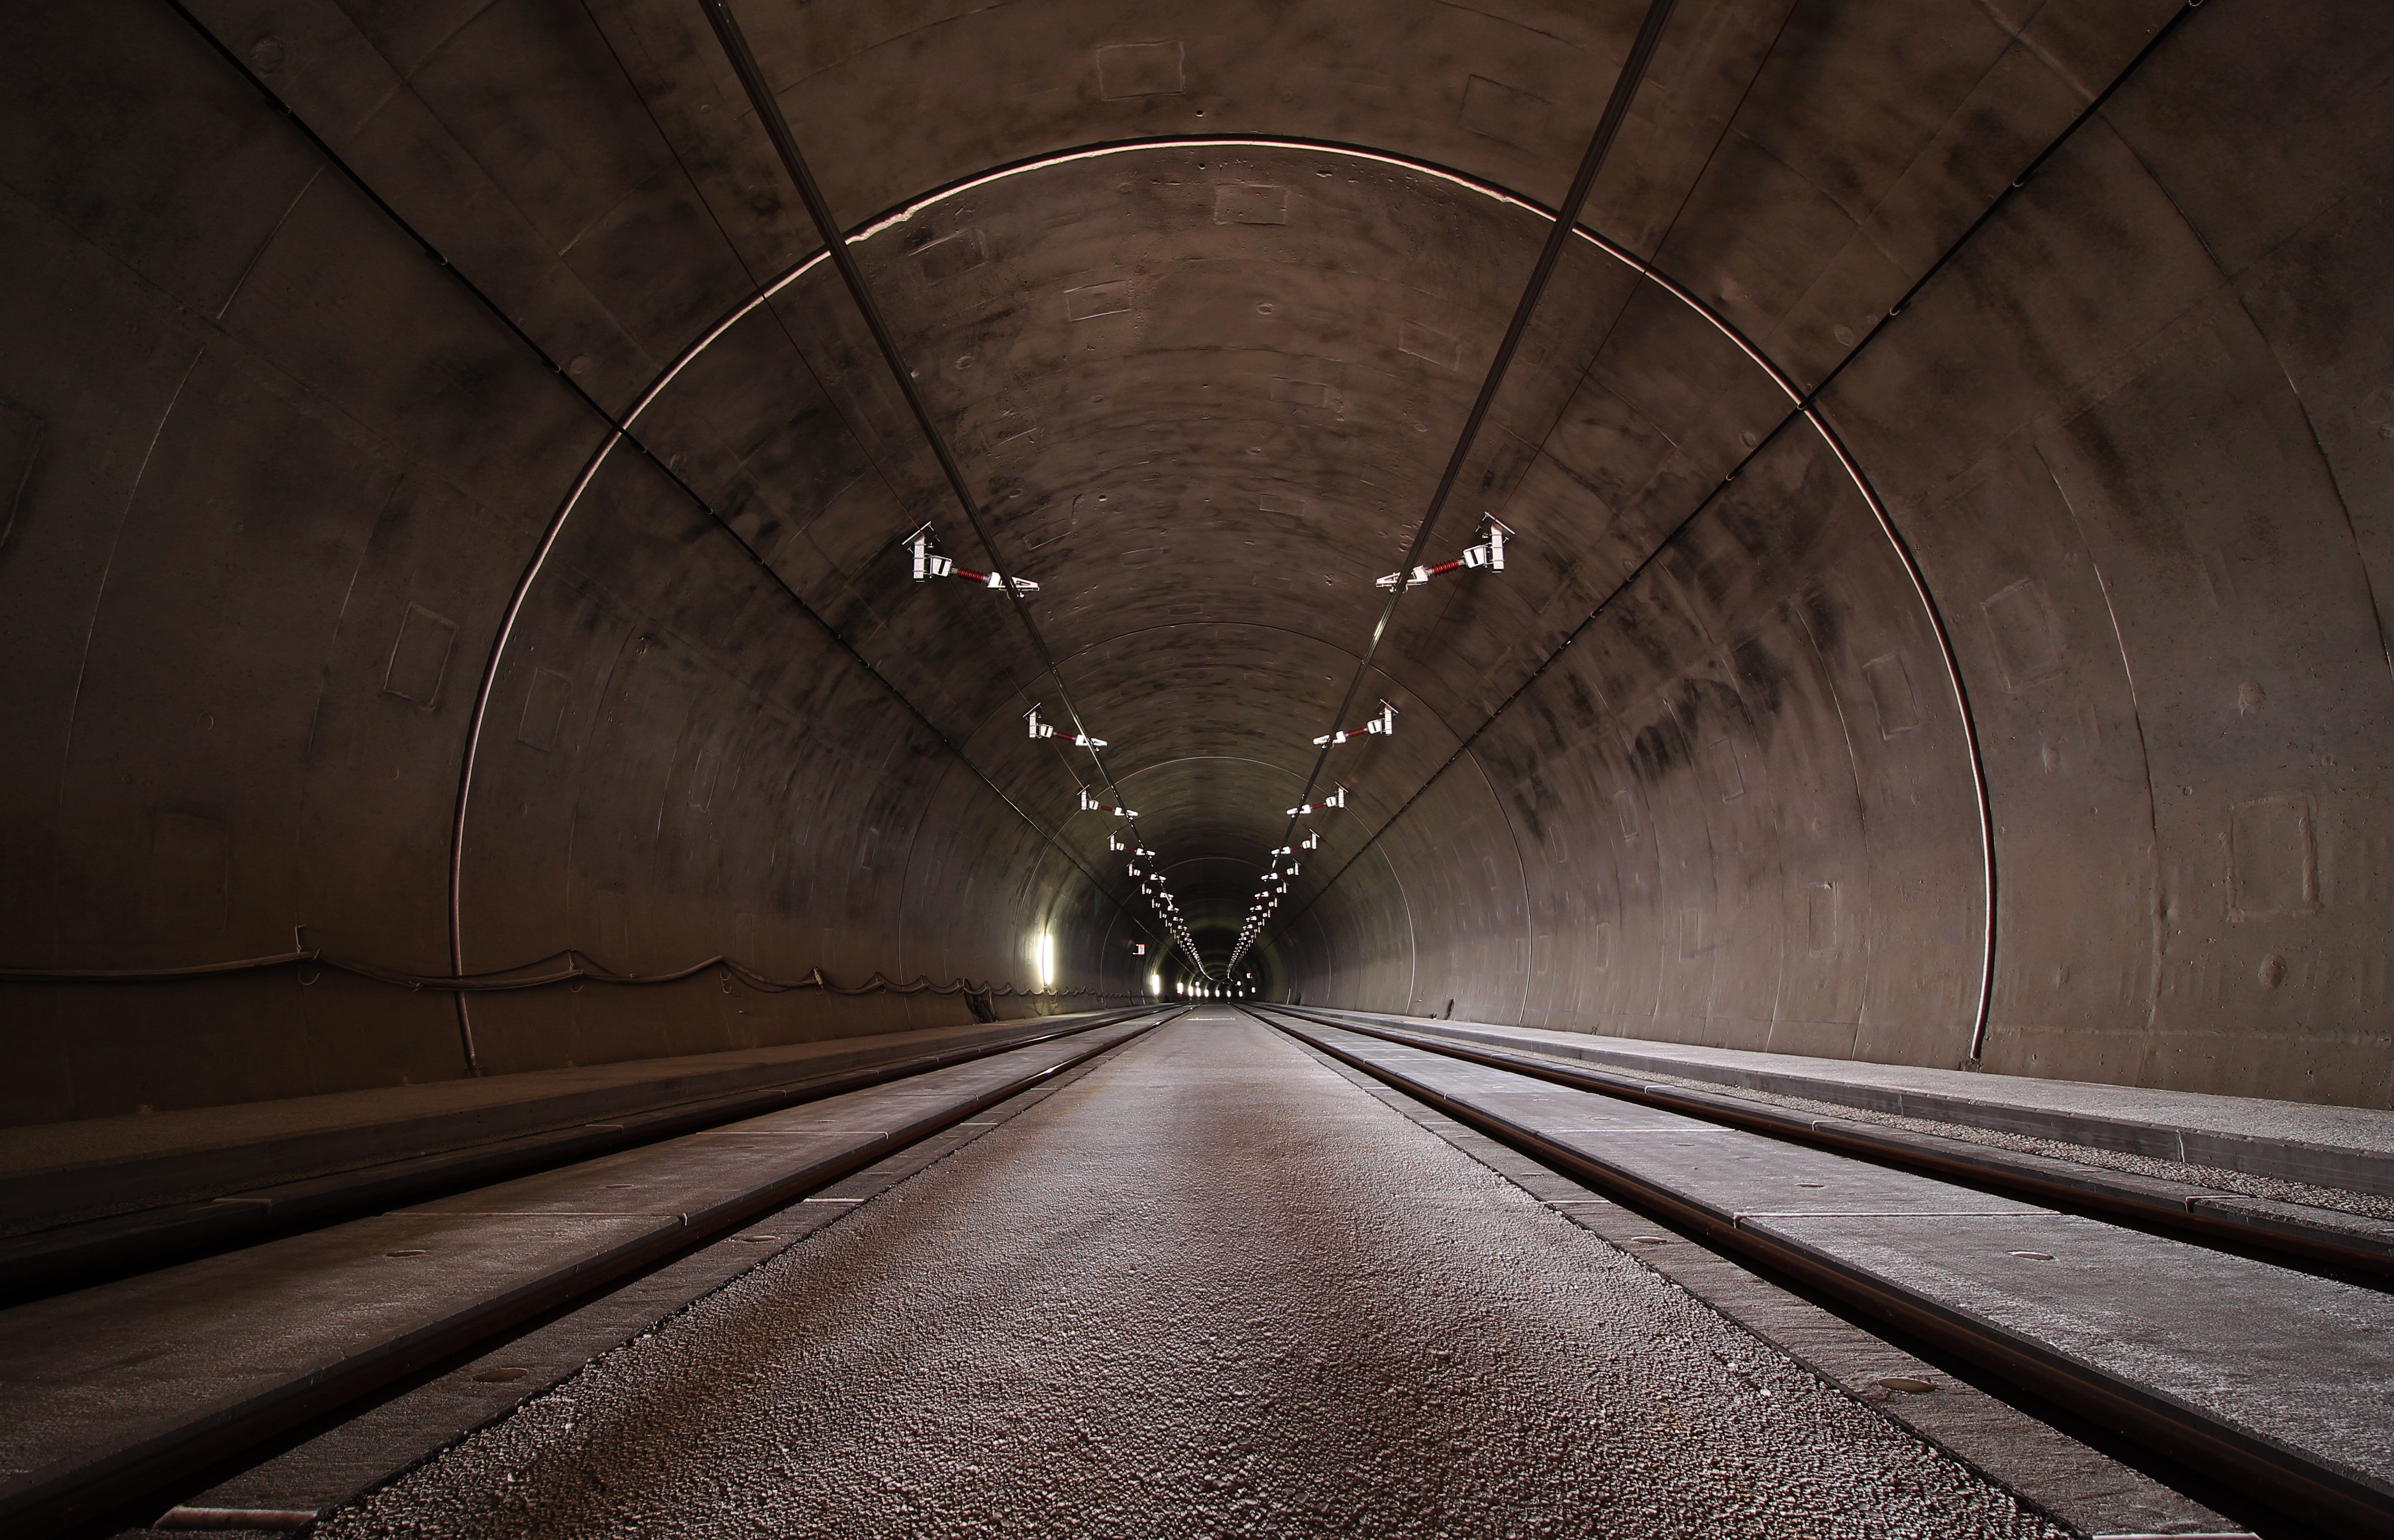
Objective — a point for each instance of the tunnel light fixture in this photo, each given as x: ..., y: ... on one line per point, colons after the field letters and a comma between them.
x: 928, y: 563
x: 1487, y: 554
x: 1335, y: 800
x: 1046, y: 953
x: 1047, y: 729
x: 1385, y: 724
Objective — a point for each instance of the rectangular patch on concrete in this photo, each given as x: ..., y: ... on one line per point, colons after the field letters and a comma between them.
x: 1431, y: 346
x: 2273, y: 858
x: 1727, y: 771
x: 1820, y: 917
x: 1280, y: 502
x: 419, y: 656
x: 1096, y: 300
x: 1500, y: 111
x: 2028, y: 643
x: 542, y: 722
x: 1127, y: 70
x: 951, y: 255
x: 1890, y: 687
x: 1300, y: 393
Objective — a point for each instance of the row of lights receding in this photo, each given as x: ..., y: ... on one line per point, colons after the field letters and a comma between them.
x: 1487, y: 554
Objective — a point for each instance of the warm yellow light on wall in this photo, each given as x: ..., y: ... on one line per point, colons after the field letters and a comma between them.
x: 1046, y: 952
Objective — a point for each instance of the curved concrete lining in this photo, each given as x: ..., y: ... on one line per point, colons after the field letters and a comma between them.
x: 2001, y: 681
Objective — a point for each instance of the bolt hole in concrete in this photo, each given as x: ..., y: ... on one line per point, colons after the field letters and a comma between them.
x: 1211, y: 1288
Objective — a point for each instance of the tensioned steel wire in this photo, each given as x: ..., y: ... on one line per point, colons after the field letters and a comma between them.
x: 726, y: 24
x: 1600, y: 144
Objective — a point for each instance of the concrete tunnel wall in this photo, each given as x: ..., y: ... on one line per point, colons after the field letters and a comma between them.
x: 309, y: 550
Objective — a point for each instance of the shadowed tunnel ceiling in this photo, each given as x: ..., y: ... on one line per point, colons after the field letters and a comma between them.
x: 461, y: 520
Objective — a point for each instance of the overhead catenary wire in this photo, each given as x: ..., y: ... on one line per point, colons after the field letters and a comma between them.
x: 1807, y: 408
x: 618, y: 431
x: 767, y: 108
x: 1566, y: 220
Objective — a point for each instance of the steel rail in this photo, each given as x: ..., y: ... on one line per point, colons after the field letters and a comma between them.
x: 1566, y: 222
x: 45, y: 1502
x: 2144, y: 1203
x: 79, y: 1254
x: 2283, y: 1477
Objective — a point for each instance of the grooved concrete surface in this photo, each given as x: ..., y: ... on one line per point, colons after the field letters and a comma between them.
x: 1210, y: 1289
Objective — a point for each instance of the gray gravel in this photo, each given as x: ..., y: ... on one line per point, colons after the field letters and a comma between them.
x: 1210, y: 1289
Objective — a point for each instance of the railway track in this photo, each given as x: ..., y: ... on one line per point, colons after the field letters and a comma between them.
x: 134, y: 1383
x: 2169, y: 1325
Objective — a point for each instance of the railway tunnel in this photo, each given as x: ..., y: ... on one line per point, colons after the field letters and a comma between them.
x: 581, y: 571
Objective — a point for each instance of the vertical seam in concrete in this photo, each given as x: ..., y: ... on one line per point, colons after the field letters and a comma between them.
x: 1521, y: 867
x: 1967, y: 717
x: 2144, y: 752
x: 1412, y: 938
x: 98, y: 602
x: 1861, y: 803
x: 2342, y: 502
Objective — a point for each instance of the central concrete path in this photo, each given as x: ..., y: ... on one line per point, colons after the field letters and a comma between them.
x: 1211, y: 1288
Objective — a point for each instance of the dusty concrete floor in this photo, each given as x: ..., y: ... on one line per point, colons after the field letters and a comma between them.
x: 1211, y: 1289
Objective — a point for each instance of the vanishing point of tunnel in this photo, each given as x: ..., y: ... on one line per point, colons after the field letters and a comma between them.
x: 1055, y: 768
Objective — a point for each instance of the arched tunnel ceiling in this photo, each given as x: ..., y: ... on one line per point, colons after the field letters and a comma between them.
x: 1208, y: 389
x: 1883, y: 725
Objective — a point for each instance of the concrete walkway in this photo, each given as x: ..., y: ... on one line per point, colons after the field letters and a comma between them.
x: 1210, y: 1288
x: 2347, y: 1147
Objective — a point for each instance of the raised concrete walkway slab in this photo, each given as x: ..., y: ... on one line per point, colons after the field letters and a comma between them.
x: 141, y: 1380
x: 2277, y: 1376
x: 2346, y: 1147
x: 57, y: 1173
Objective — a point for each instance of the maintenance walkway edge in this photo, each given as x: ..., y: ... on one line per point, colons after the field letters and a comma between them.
x: 2324, y: 1145
x: 640, y: 1105
x: 132, y: 1384
x: 58, y: 1173
x: 2280, y: 1230
x: 2275, y: 1380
